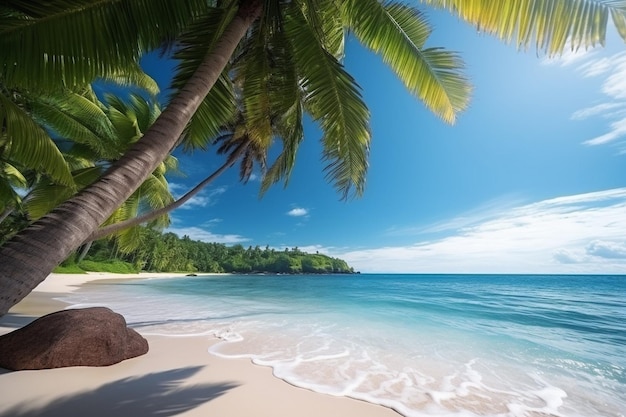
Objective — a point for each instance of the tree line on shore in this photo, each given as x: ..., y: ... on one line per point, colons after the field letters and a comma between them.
x: 166, y: 252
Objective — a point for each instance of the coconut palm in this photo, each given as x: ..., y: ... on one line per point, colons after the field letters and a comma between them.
x: 309, y: 32
x: 100, y: 133
x: 24, y: 144
x: 239, y: 145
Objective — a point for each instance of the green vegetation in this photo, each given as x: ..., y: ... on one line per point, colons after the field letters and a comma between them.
x: 114, y: 266
x: 282, y: 60
x: 158, y: 252
x: 69, y: 269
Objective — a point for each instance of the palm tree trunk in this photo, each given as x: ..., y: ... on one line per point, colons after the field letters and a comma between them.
x: 29, y: 257
x: 83, y: 252
x: 114, y: 228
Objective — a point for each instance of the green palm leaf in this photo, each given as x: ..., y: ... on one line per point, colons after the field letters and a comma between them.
x: 218, y: 107
x: 324, y: 18
x: 124, y: 121
x: 134, y: 77
x: 253, y: 75
x: 10, y: 179
x: 26, y: 143
x: 398, y: 33
x: 333, y: 99
x: 284, y: 163
x: 13, y: 176
x: 286, y: 97
x: 550, y: 24
x: 146, y: 112
x: 155, y: 191
x: 45, y: 195
x: 78, y: 118
x: 74, y: 41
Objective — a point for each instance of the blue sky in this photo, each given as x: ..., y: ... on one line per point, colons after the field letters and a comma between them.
x: 531, y: 178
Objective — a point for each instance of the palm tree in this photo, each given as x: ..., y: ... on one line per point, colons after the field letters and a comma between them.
x: 99, y: 133
x: 239, y: 144
x: 308, y: 32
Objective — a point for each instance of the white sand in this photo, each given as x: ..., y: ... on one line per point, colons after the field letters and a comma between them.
x: 178, y: 377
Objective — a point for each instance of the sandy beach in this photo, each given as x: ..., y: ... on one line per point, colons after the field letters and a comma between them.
x: 178, y: 377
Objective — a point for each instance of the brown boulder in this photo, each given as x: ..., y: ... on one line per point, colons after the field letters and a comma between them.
x: 83, y: 337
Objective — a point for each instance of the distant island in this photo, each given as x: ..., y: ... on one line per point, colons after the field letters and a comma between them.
x: 166, y: 252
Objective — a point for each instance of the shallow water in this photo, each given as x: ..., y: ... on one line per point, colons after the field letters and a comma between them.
x: 425, y: 345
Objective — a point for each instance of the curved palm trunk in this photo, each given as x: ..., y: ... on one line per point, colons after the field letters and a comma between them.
x: 113, y: 228
x: 28, y: 258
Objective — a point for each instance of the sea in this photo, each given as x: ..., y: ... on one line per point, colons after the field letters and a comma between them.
x: 423, y: 345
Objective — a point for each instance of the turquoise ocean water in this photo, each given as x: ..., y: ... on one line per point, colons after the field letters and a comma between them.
x: 424, y: 345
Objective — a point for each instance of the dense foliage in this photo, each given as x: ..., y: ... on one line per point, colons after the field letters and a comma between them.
x: 158, y: 252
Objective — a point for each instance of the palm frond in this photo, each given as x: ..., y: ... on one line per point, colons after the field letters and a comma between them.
x: 334, y: 100
x: 281, y: 169
x: 324, y: 18
x: 398, y: 33
x: 129, y: 239
x: 44, y: 44
x: 78, y: 119
x: 286, y: 97
x: 10, y: 180
x: 45, y: 196
x: 172, y: 166
x: 13, y: 176
x: 125, y: 124
x: 27, y: 144
x: 218, y: 107
x: 155, y: 192
x: 252, y: 75
x: 8, y: 196
x: 146, y: 112
x: 551, y: 25
x: 133, y: 76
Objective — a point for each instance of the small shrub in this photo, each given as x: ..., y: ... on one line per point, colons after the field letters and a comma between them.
x: 68, y: 269
x: 114, y: 267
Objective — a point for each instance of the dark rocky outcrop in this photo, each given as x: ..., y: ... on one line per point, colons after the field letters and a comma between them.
x: 82, y: 337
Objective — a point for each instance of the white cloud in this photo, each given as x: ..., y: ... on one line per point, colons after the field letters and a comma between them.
x: 569, y: 57
x: 197, y: 233
x: 576, y: 234
x: 177, y: 188
x: 298, y: 212
x: 597, y: 110
x: 615, y: 84
x: 195, y: 202
x: 600, y: 66
x: 613, y: 68
x: 565, y: 256
x: 610, y: 250
x: 480, y: 214
x: 205, y: 198
x: 617, y: 130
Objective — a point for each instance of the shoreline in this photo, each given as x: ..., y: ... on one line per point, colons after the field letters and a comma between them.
x: 177, y: 377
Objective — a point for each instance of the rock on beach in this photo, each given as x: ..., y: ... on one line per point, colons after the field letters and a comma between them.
x: 94, y: 336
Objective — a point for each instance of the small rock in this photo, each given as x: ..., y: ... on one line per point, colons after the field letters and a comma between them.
x: 93, y: 336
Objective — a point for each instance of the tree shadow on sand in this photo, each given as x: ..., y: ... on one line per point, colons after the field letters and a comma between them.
x: 157, y: 394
